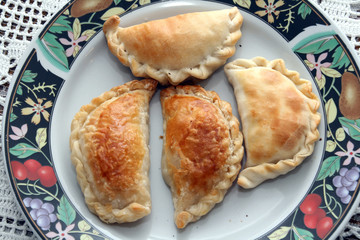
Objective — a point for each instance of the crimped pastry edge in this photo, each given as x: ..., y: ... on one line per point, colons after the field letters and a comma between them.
x: 195, y: 212
x: 174, y: 76
x: 252, y: 176
x: 133, y: 211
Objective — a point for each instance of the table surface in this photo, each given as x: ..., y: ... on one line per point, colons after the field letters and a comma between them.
x: 22, y: 19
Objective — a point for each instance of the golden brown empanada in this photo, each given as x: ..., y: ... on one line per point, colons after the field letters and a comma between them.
x: 109, y: 148
x: 202, y: 150
x: 279, y: 117
x: 172, y: 49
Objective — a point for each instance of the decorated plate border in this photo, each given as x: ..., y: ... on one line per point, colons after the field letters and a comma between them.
x: 35, y: 90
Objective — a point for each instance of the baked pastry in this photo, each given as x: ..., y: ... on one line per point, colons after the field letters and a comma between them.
x: 202, y: 150
x: 109, y: 149
x: 171, y: 50
x: 279, y: 117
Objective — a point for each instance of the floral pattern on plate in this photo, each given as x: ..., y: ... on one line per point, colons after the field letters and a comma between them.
x: 336, y: 183
x: 75, y: 25
x: 28, y: 151
x: 35, y: 90
x: 282, y: 15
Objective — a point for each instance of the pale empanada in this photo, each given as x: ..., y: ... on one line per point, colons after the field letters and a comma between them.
x: 109, y: 148
x: 279, y: 117
x: 202, y: 150
x: 171, y: 50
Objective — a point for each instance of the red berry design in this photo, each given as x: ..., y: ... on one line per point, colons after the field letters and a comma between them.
x: 315, y: 217
x: 32, y: 166
x: 311, y: 220
x: 19, y: 170
x: 324, y: 226
x: 47, y: 176
x: 310, y: 204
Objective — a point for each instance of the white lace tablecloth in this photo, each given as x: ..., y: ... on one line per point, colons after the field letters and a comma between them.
x: 20, y: 20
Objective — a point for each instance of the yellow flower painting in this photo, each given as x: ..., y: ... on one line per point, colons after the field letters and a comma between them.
x: 269, y: 9
x: 38, y: 109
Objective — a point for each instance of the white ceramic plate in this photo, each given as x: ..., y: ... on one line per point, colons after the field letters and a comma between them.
x: 59, y: 84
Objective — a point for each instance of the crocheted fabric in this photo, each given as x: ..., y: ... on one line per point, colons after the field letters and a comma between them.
x: 346, y: 14
x: 22, y: 19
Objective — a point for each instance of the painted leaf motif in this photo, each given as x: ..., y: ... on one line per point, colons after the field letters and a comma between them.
x: 60, y: 25
x: 340, y: 134
x: 83, y: 226
x: 111, y: 12
x: 41, y: 136
x: 318, y: 46
x: 321, y: 82
x: 23, y: 150
x: 76, y: 50
x: 65, y: 211
x: 89, y: 33
x: 280, y: 233
x: 302, y: 234
x: 117, y: 2
x: 329, y: 187
x: 143, y: 2
x: 330, y: 72
x: 243, y: 3
x: 351, y: 127
x: 304, y: 10
x: 56, y: 49
x: 327, y: 46
x: 329, y: 166
x: 310, y: 47
x: 19, y: 90
x: 85, y: 237
x: 28, y: 76
x: 331, y: 110
x: 13, y: 117
x: 309, y: 64
x: 76, y: 28
x: 340, y: 59
x: 48, y: 198
x: 330, y: 146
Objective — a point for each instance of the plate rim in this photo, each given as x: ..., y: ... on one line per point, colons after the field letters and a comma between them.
x: 32, y: 46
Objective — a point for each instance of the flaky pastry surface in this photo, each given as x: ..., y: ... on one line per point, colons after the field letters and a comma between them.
x: 202, y: 150
x: 279, y: 117
x: 109, y: 149
x: 171, y: 50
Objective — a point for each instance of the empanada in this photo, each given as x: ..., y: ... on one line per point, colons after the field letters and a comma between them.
x: 109, y: 148
x: 202, y: 150
x: 279, y: 117
x: 172, y: 49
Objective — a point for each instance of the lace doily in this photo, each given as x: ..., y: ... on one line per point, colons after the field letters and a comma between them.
x: 22, y: 19
x: 346, y: 14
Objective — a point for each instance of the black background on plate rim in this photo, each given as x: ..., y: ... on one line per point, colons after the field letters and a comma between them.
x: 288, y: 37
